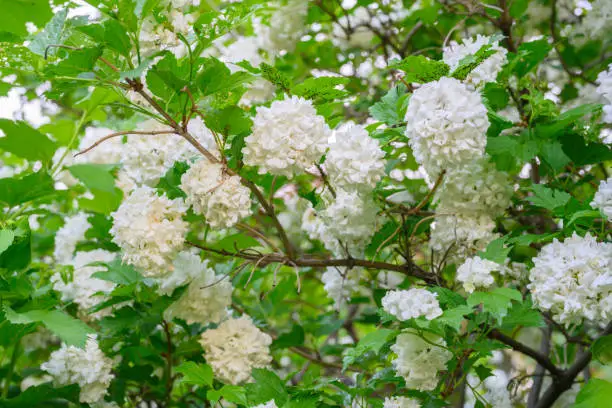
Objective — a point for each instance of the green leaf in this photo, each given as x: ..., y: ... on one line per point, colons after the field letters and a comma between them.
x: 6, y: 239
x: 229, y: 121
x: 553, y: 154
x: 15, y: 191
x: 497, y: 302
x: 167, y: 78
x: 72, y: 331
x: 420, y: 69
x: 16, y: 13
x: 170, y: 183
x: 51, y: 35
x: 217, y: 77
x: 447, y: 298
x: 518, y: 8
x: 276, y: 77
x: 231, y: 393
x: 266, y: 386
x: 293, y: 338
x: 594, y: 394
x: 193, y: 373
x: 523, y: 315
x: 392, y: 106
x: 370, y: 342
x: 548, y: 198
x: 583, y: 214
x: 19, y: 253
x: 321, y: 89
x: 496, y: 251
x: 236, y: 242
x: 119, y: 273
x: 471, y: 62
x: 24, y: 141
x: 602, y: 349
x: 104, y: 202
x: 455, y: 316
x: 95, y: 176
x: 529, y: 55
x: 42, y: 396
x: 582, y: 153
x: 78, y: 62
x: 116, y: 38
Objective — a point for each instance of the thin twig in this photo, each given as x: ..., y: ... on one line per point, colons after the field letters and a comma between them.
x: 125, y: 132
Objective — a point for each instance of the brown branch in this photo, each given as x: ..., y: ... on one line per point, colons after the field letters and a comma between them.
x: 125, y: 132
x: 326, y: 180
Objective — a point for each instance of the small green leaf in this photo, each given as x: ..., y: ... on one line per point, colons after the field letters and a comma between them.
x: 420, y: 69
x: 193, y: 373
x: 548, y: 198
x: 266, y: 386
x: 471, y: 62
x: 497, y: 251
x: 322, y: 89
x: 295, y: 337
x: 455, y: 316
x: 370, y: 342
x: 6, y: 239
x: 95, y: 176
x: 16, y: 13
x: 602, y: 349
x: 25, y: 141
x: 497, y: 302
x: 594, y: 394
x: 119, y: 273
x: 276, y: 77
x: 392, y: 107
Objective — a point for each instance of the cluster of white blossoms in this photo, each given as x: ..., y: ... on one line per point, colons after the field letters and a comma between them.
x: 603, y: 198
x: 573, y: 280
x: 446, y: 124
x: 485, y: 72
x: 401, y: 402
x: 186, y: 267
x: 411, y: 304
x: 476, y: 272
x: 236, y: 347
x: 341, y: 283
x: 354, y: 160
x: 287, y: 138
x: 459, y: 236
x: 85, y: 290
x: 604, y: 88
x: 175, y: 20
x: 284, y: 27
x: 88, y: 367
x: 419, y: 361
x: 207, y: 297
x: 67, y: 237
x: 215, y: 194
x: 150, y: 230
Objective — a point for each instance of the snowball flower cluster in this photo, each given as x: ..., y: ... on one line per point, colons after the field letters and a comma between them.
x: 88, y: 367
x: 207, y: 297
x: 604, y: 82
x: 341, y: 283
x: 446, y: 124
x: 401, y: 402
x: 236, y: 347
x: 410, y: 304
x: 150, y: 230
x: 284, y: 28
x: 603, y: 198
x: 573, y: 280
x: 354, y: 160
x: 186, y: 266
x: 461, y: 235
x: 212, y: 192
x: 485, y: 72
x: 418, y: 360
x: 67, y: 237
x: 83, y: 287
x: 477, y: 273
x: 288, y: 138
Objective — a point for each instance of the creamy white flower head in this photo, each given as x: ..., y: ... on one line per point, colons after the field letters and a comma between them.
x: 206, y: 299
x: 83, y: 287
x: 186, y: 267
x: 604, y: 88
x: 603, y: 198
x: 236, y: 347
x: 269, y: 404
x: 573, y: 280
x: 477, y: 273
x: 288, y: 138
x: 419, y: 361
x: 401, y: 402
x: 412, y: 303
x: 354, y: 160
x: 461, y: 235
x: 446, y: 124
x: 68, y: 236
x: 150, y: 230
x: 341, y: 283
x: 497, y: 390
x: 285, y: 27
x: 221, y: 198
x: 485, y: 72
x: 476, y: 188
x: 88, y: 367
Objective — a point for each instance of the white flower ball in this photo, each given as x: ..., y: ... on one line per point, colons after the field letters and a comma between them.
x: 477, y: 273
x: 485, y: 72
x: 604, y: 82
x: 460, y: 236
x: 66, y: 239
x: 341, y: 283
x: 401, y: 402
x: 603, y: 198
x: 412, y: 303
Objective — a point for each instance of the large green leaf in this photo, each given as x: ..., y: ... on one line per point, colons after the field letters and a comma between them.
x: 602, y: 349
x: 392, y: 106
x: 19, y: 253
x: 51, y: 35
x: 15, y: 191
x: 95, y: 176
x: 16, y: 13
x: 24, y: 141
x: 193, y: 373
x: 420, y: 69
x: 594, y: 394
x: 266, y: 386
x: 548, y: 198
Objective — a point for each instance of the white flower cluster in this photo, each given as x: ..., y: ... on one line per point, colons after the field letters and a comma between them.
x: 476, y: 272
x: 497, y: 390
x: 462, y: 235
x: 485, y: 72
x: 340, y: 284
x: 219, y: 197
x: 418, y: 360
x: 88, y: 367
x: 269, y: 404
x: 573, y: 280
x: 604, y: 88
x: 288, y: 138
x: 412, y: 303
x: 207, y: 297
x: 401, y: 402
x: 598, y: 20
x: 83, y: 287
x: 446, y: 124
x: 236, y: 347
x: 67, y: 237
x: 476, y: 188
x: 354, y: 160
x: 186, y: 266
x: 603, y: 198
x: 284, y: 28
x: 150, y: 230
x: 164, y: 35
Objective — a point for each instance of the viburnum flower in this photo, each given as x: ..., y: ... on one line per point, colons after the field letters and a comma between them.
x: 412, y: 303
x: 67, y: 237
x: 285, y: 26
x: 487, y: 70
x: 186, y: 267
x: 215, y: 194
x: 88, y: 367
x: 354, y: 160
x: 459, y: 236
x: 341, y: 283
x: 401, y: 402
x: 573, y: 280
x: 287, y: 138
x: 604, y: 82
x: 477, y: 273
x: 603, y: 198
x: 150, y: 230
x: 446, y: 124
x: 418, y: 360
x: 234, y: 348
